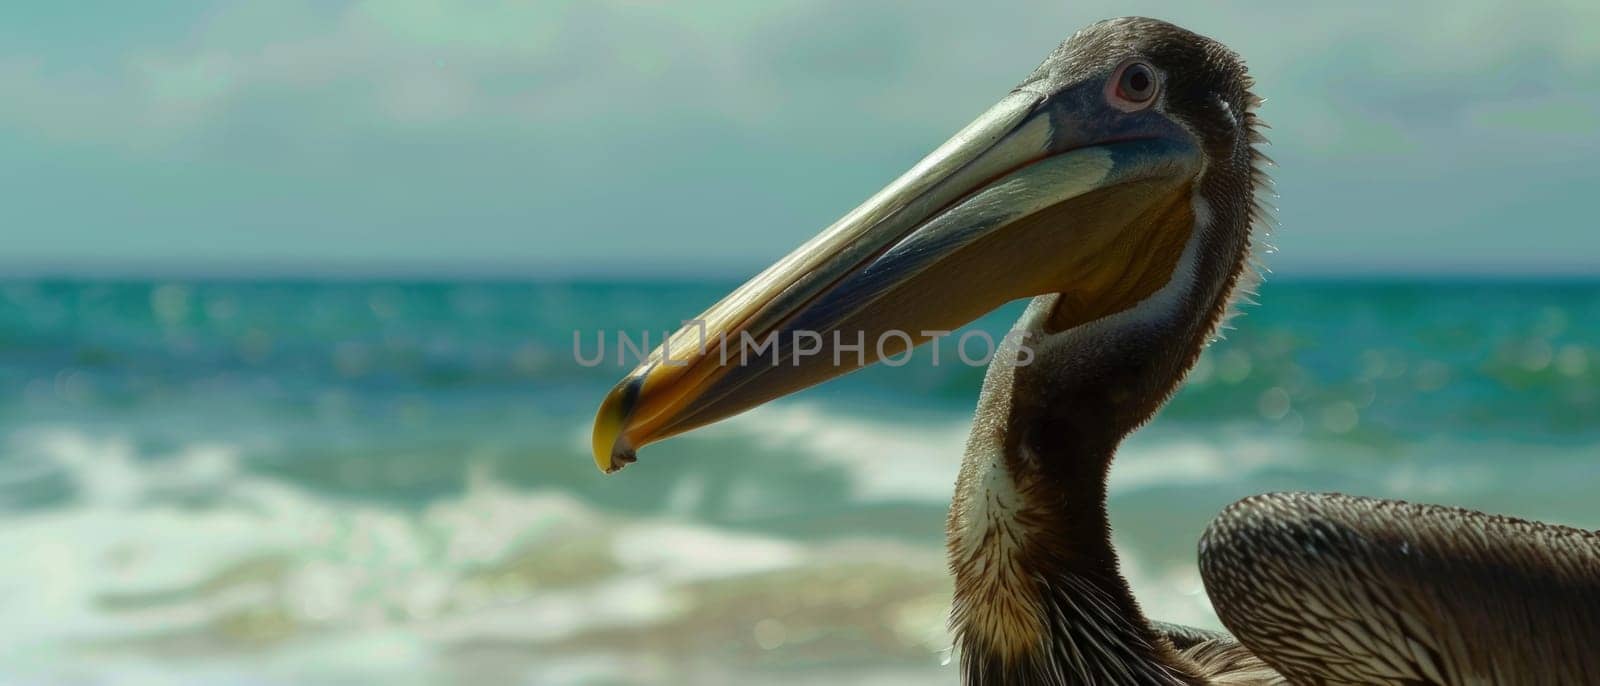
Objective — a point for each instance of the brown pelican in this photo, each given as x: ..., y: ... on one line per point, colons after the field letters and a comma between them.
x: 1116, y: 186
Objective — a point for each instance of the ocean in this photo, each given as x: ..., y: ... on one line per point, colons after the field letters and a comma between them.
x: 350, y: 482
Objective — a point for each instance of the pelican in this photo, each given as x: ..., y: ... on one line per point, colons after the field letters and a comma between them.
x: 1116, y: 186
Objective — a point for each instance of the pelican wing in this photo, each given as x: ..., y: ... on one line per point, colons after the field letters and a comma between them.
x: 1334, y: 589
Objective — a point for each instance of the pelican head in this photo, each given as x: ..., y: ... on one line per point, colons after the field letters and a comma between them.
x: 1115, y: 179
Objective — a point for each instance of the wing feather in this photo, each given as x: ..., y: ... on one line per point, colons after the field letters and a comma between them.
x: 1336, y: 589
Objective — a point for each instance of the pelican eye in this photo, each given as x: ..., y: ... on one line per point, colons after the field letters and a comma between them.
x: 1135, y: 85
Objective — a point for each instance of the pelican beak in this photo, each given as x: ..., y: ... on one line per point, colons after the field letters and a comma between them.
x: 1058, y: 194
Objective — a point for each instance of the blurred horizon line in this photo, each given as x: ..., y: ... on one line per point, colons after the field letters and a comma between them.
x: 584, y: 271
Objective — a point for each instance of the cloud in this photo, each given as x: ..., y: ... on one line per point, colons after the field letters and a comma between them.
x: 712, y: 113
x: 419, y: 63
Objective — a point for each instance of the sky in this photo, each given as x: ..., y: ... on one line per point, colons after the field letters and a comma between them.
x: 626, y: 137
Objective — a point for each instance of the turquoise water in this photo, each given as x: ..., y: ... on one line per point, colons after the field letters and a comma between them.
x: 352, y: 482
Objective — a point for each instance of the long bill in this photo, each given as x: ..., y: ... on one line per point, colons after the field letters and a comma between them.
x: 1038, y: 195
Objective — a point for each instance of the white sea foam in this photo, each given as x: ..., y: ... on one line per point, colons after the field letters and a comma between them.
x: 890, y: 459
x: 886, y: 459
x: 185, y: 567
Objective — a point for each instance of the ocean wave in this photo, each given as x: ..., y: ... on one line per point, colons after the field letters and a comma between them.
x: 886, y: 458
x: 188, y: 561
x: 182, y: 565
x: 891, y: 458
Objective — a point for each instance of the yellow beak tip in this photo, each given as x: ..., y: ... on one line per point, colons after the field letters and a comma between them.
x: 611, y: 451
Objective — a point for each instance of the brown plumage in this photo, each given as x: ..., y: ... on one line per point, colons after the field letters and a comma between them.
x: 1130, y: 203
x: 1334, y: 589
x: 1039, y: 596
x: 1318, y: 589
